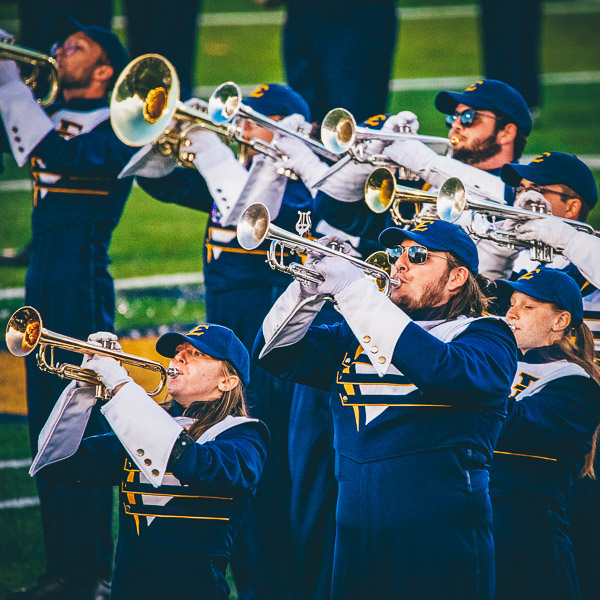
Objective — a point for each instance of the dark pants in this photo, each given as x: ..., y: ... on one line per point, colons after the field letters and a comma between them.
x: 261, y: 560
x: 341, y: 57
x: 511, y: 33
x: 68, y: 283
x: 414, y: 526
x: 534, y: 555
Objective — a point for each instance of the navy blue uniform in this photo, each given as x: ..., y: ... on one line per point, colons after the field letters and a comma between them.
x: 412, y: 453
x: 175, y: 539
x: 78, y: 201
x: 552, y: 414
x: 339, y: 53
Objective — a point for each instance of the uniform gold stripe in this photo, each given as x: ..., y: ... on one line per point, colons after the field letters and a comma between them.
x: 525, y: 455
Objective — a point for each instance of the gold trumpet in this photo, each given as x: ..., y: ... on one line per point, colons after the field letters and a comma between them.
x: 254, y: 227
x: 340, y: 134
x: 24, y: 333
x: 145, y: 100
x: 382, y: 193
x: 41, y: 66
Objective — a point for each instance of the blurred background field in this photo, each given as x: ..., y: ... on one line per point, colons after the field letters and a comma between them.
x: 239, y: 41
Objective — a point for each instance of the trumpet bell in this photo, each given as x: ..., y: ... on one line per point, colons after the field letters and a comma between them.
x: 253, y: 226
x: 338, y: 130
x: 144, y: 99
x: 379, y: 190
x: 224, y: 103
x: 381, y: 260
x: 23, y: 331
x: 452, y: 200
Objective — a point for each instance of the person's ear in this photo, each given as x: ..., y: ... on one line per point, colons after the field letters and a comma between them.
x: 458, y: 277
x: 228, y: 383
x: 561, y: 321
x: 103, y: 72
x: 507, y: 135
x: 572, y: 208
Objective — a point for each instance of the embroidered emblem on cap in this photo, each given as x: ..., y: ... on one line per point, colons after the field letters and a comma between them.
x: 474, y: 86
x: 197, y: 330
x: 540, y: 158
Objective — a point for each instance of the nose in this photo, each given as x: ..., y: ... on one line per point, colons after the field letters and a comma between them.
x: 512, y: 314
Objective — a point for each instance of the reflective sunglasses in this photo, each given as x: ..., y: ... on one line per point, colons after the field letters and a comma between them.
x: 417, y: 255
x: 68, y: 49
x: 467, y: 117
x: 541, y: 190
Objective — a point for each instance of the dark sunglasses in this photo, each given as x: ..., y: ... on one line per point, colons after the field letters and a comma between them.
x: 467, y: 117
x: 417, y: 255
x: 541, y: 190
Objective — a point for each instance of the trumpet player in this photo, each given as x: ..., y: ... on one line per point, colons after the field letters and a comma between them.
x: 77, y: 202
x: 187, y: 470
x: 418, y: 385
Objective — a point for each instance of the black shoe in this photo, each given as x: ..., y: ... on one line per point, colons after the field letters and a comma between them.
x: 47, y: 588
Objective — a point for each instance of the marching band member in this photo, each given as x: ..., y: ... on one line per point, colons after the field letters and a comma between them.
x: 418, y: 386
x: 553, y: 412
x: 187, y: 471
x: 77, y: 202
x: 240, y: 289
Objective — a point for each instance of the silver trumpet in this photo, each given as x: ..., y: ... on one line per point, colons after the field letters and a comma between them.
x: 254, y: 227
x: 340, y: 135
x: 453, y: 201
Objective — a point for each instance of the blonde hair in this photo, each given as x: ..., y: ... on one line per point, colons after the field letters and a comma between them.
x: 210, y: 412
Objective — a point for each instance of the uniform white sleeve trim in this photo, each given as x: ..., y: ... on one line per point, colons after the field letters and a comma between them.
x: 146, y: 431
x: 63, y: 431
x: 583, y: 250
x: 374, y: 319
x: 146, y: 162
x: 25, y: 121
x: 289, y: 319
x: 227, y: 423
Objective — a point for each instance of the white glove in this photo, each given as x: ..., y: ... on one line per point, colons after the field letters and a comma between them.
x: 529, y: 199
x: 300, y: 158
x: 147, y: 162
x: 111, y: 373
x: 403, y: 121
x: 347, y: 183
x: 203, y: 144
x: 8, y: 71
x: 338, y: 272
x: 96, y: 339
x: 411, y: 154
x: 553, y: 232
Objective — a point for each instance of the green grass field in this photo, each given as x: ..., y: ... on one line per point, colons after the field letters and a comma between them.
x: 159, y: 239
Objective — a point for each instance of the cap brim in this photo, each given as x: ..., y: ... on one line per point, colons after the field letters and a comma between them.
x: 446, y: 102
x: 524, y: 288
x: 512, y: 174
x: 394, y: 236
x: 166, y: 345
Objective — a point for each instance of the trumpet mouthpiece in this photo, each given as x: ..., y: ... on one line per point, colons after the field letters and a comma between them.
x: 454, y: 140
x: 172, y: 372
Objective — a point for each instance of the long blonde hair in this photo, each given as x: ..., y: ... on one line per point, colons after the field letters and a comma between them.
x: 211, y: 412
x: 577, y: 345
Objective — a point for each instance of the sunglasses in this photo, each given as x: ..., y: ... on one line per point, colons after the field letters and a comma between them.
x: 541, y: 190
x: 417, y: 255
x: 467, y: 117
x: 68, y: 49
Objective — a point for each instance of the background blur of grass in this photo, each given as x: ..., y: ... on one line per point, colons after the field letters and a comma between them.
x: 157, y: 239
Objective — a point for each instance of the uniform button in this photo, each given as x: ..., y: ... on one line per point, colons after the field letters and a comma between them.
x: 21, y: 149
x: 367, y: 339
x: 140, y: 452
x: 127, y: 507
x: 374, y: 349
x: 184, y: 443
x: 147, y: 462
x: 17, y: 139
x: 344, y: 398
x: 347, y: 361
x: 15, y: 129
x: 155, y: 473
x: 381, y: 359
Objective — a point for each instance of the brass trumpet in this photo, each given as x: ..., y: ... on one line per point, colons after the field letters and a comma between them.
x: 453, y: 200
x: 25, y: 333
x: 41, y: 66
x: 340, y: 135
x: 382, y: 193
x: 254, y: 227
x: 145, y: 100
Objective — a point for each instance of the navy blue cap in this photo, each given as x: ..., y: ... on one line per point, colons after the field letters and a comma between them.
x: 551, y: 285
x: 436, y: 235
x: 214, y: 340
x: 64, y: 25
x: 274, y: 99
x: 551, y: 168
x: 489, y: 94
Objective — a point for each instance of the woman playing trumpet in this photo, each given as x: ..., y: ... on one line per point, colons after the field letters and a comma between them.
x: 187, y: 471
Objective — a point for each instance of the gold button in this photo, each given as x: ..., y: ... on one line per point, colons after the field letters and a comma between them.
x: 374, y: 349
x: 140, y: 452
x: 347, y: 361
x: 127, y: 507
x: 147, y: 462
x: 367, y: 339
x: 155, y: 473
x: 381, y: 359
x: 344, y: 398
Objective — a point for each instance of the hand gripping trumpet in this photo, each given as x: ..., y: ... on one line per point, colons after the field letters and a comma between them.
x: 453, y: 201
x: 341, y: 135
x: 254, y: 227
x: 24, y: 334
